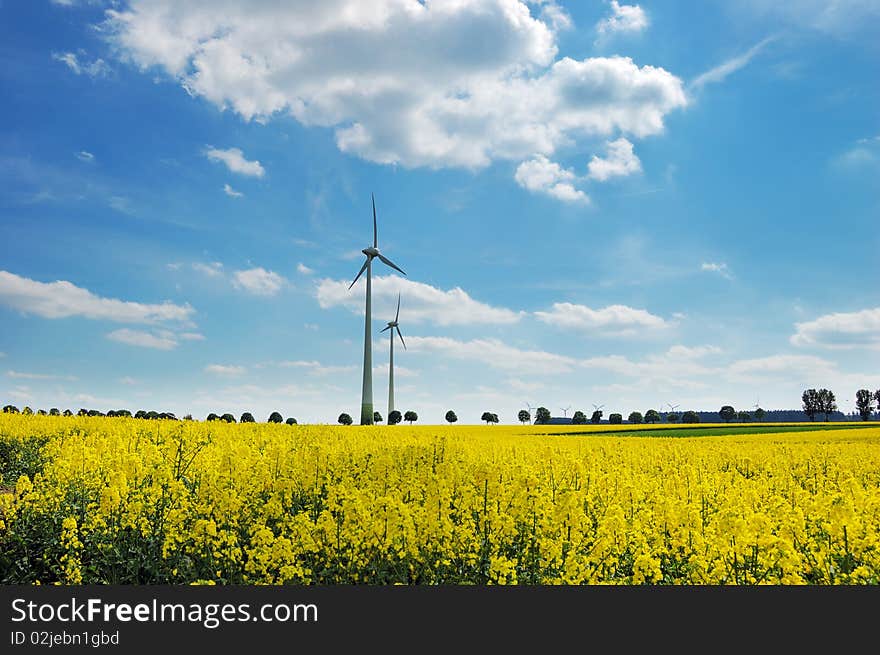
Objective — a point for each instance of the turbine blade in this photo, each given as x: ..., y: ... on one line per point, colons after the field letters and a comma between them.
x: 375, y: 230
x: 385, y: 328
x: 397, y: 315
x: 360, y: 272
x: 401, y: 338
x: 390, y: 263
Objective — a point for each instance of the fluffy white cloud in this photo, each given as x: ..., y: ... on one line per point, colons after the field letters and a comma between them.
x: 620, y: 161
x: 235, y: 161
x: 421, y: 302
x: 232, y: 193
x: 717, y: 267
x: 317, y: 368
x: 62, y: 299
x: 86, y: 156
x: 541, y: 175
x: 214, y: 269
x: 160, y: 341
x: 303, y: 269
x: 614, y: 319
x: 722, y: 71
x: 97, y: 68
x: 844, y: 330
x: 495, y: 354
x: 221, y: 369
x: 781, y: 365
x: 258, y: 281
x: 38, y: 376
x: 623, y: 18
x: 400, y: 80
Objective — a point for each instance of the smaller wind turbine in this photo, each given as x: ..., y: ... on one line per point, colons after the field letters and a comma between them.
x: 757, y: 403
x: 393, y: 325
x: 564, y: 410
x: 672, y: 407
x: 598, y: 407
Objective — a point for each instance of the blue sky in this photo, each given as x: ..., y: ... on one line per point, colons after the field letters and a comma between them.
x: 595, y: 203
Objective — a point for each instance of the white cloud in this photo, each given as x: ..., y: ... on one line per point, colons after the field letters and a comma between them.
x: 213, y: 269
x: 163, y: 341
x: 305, y: 270
x: 127, y: 380
x: 421, y: 302
x: 258, y: 281
x: 495, y: 354
x: 694, y: 352
x: 232, y: 193
x: 540, y: 175
x: 722, y: 71
x: 62, y: 299
x: 235, y: 161
x: 621, y: 161
x: 843, y: 330
x: 717, y: 267
x: 837, y: 17
x: 623, y: 18
x: 613, y: 320
x: 86, y: 156
x: 220, y: 369
x: 400, y: 82
x: 781, y: 365
x: 97, y: 68
x: 317, y: 368
x: 38, y: 376
x: 190, y: 336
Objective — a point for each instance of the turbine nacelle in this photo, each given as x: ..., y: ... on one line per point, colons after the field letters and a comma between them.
x: 371, y: 252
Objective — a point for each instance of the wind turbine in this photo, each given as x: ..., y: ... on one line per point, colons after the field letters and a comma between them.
x: 598, y: 407
x: 564, y: 410
x: 371, y: 252
x: 672, y: 407
x: 392, y: 325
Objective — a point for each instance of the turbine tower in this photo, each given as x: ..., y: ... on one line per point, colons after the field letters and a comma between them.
x: 393, y: 325
x: 371, y: 252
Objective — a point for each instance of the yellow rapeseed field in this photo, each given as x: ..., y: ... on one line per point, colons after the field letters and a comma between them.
x: 114, y: 500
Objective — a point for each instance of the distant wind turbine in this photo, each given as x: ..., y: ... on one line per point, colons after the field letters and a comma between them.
x: 564, y: 410
x: 672, y: 407
x: 393, y: 325
x: 371, y: 252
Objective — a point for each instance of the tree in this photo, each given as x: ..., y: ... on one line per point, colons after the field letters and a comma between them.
x: 67, y: 412
x: 395, y: 417
x: 827, y: 403
x: 672, y: 417
x: 578, y: 418
x: 275, y: 417
x: 41, y: 412
x: 524, y: 416
x: 27, y: 411
x: 864, y: 403
x: 410, y: 416
x: 247, y: 417
x: 10, y: 409
x: 635, y: 417
x: 615, y: 419
x: 451, y: 417
x: 596, y: 417
x: 344, y: 419
x: 155, y: 415
x: 542, y: 416
x: 187, y: 417
x: 291, y: 421
x: 123, y: 413
x: 727, y: 413
x: 743, y: 416
x: 487, y: 416
x: 652, y: 416
x: 142, y: 414
x: 377, y: 417
x: 759, y: 414
x: 171, y: 417
x: 877, y: 398
x: 229, y: 418
x: 211, y: 417
x: 810, y: 399
x: 690, y: 416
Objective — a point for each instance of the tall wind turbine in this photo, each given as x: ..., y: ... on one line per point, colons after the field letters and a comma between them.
x: 393, y: 325
x: 371, y: 252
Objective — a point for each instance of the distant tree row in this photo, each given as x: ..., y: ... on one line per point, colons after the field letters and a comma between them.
x: 542, y: 417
